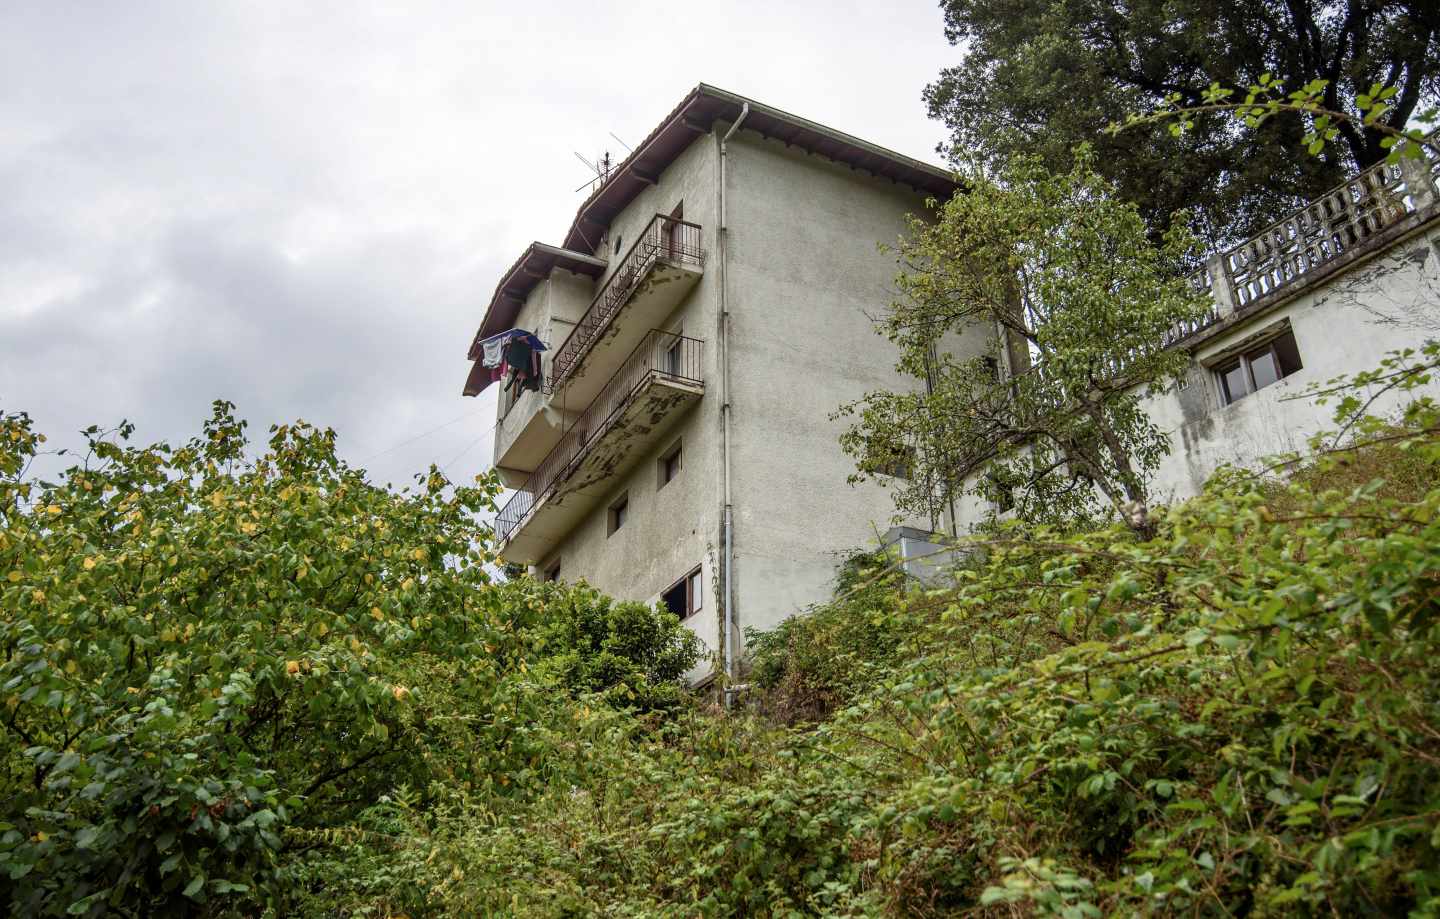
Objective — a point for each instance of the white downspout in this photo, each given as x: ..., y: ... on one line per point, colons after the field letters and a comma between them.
x: 728, y: 521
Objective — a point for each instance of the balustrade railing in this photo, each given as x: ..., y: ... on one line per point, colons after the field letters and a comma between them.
x: 1338, y: 222
x: 662, y: 355
x: 664, y: 237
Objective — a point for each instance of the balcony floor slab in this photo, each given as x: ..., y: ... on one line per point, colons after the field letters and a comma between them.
x: 636, y: 427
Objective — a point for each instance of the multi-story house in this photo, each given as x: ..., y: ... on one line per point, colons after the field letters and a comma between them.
x: 712, y: 305
x: 708, y: 310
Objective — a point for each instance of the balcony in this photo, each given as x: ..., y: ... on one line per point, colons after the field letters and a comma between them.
x: 631, y: 413
x: 659, y: 269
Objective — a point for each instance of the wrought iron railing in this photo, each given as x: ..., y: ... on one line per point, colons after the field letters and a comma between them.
x: 660, y: 355
x: 664, y: 238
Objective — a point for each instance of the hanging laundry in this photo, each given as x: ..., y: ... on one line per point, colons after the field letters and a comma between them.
x: 491, y: 348
x: 522, y: 366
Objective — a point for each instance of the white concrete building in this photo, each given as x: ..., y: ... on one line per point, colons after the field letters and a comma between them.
x: 712, y: 305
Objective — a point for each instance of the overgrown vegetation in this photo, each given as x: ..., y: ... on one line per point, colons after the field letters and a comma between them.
x: 210, y: 661
x: 1033, y: 318
x: 1238, y: 713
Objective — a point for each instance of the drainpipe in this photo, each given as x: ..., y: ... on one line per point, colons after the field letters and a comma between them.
x: 727, y: 517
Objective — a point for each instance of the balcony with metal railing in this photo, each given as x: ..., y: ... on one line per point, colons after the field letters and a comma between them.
x: 659, y: 269
x: 635, y: 408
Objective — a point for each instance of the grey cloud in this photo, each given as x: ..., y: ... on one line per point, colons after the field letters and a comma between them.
x: 304, y: 207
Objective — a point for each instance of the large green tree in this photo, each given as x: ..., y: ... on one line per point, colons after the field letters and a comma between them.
x: 1044, y: 75
x: 214, y: 657
x: 1034, y: 317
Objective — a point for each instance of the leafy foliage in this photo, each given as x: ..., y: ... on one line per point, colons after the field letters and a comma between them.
x: 1238, y: 715
x: 1264, y: 100
x: 209, y: 658
x: 1040, y: 78
x: 1044, y: 415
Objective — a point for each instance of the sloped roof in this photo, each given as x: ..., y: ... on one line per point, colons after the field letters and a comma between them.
x: 693, y: 117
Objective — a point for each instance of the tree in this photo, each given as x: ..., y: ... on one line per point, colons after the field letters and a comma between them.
x: 1042, y: 77
x: 1063, y: 309
x: 213, y: 657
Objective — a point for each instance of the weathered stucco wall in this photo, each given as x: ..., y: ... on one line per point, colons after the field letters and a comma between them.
x: 673, y: 529
x: 805, y: 282
x: 1341, y: 326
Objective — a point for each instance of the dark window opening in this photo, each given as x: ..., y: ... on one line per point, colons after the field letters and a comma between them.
x: 552, y: 573
x: 619, y: 512
x: 897, y: 461
x: 669, y: 465
x: 1257, y: 368
x: 617, y: 243
x: 1004, y: 494
x: 685, y: 597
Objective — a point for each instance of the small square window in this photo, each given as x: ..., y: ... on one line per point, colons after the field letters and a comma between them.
x: 668, y: 466
x: 619, y: 513
x: 896, y: 461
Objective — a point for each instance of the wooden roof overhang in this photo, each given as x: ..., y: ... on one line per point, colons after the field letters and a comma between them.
x: 696, y: 114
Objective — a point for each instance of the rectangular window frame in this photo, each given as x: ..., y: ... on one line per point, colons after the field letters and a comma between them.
x: 694, y: 587
x: 617, y: 514
x: 670, y: 464
x: 1240, y: 367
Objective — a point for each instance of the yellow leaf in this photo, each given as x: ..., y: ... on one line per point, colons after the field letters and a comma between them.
x: 302, y: 572
x: 89, y: 563
x: 14, y: 577
x: 399, y: 692
x: 38, y: 596
x: 418, y: 555
x: 53, y: 509
x: 376, y: 614
x: 414, y: 622
x: 369, y: 579
x: 167, y: 635
x: 407, y: 584
x: 41, y: 836
x: 292, y: 667
x: 71, y: 666
x: 321, y: 629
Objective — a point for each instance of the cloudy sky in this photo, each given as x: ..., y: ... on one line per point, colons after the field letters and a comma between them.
x: 303, y: 207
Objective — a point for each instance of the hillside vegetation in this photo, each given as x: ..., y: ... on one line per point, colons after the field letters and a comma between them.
x: 246, y: 687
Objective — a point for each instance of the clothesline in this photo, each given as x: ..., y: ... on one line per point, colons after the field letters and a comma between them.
x: 516, y: 352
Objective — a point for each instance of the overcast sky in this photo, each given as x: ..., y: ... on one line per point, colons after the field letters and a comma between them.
x: 304, y: 207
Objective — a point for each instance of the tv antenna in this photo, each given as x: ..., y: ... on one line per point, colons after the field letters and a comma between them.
x: 602, y: 168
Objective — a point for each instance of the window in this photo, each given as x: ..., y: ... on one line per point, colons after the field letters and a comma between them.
x: 668, y: 466
x: 686, y: 597
x: 1003, y: 492
x: 617, y: 243
x: 673, y: 356
x: 619, y: 512
x: 552, y: 573
x: 895, y: 460
x: 674, y: 238
x: 1258, y: 367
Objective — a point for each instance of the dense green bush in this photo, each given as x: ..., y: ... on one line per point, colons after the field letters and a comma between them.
x: 211, y: 660
x: 1240, y: 715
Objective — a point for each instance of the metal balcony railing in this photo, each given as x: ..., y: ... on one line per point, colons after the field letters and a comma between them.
x: 664, y: 238
x: 660, y: 355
